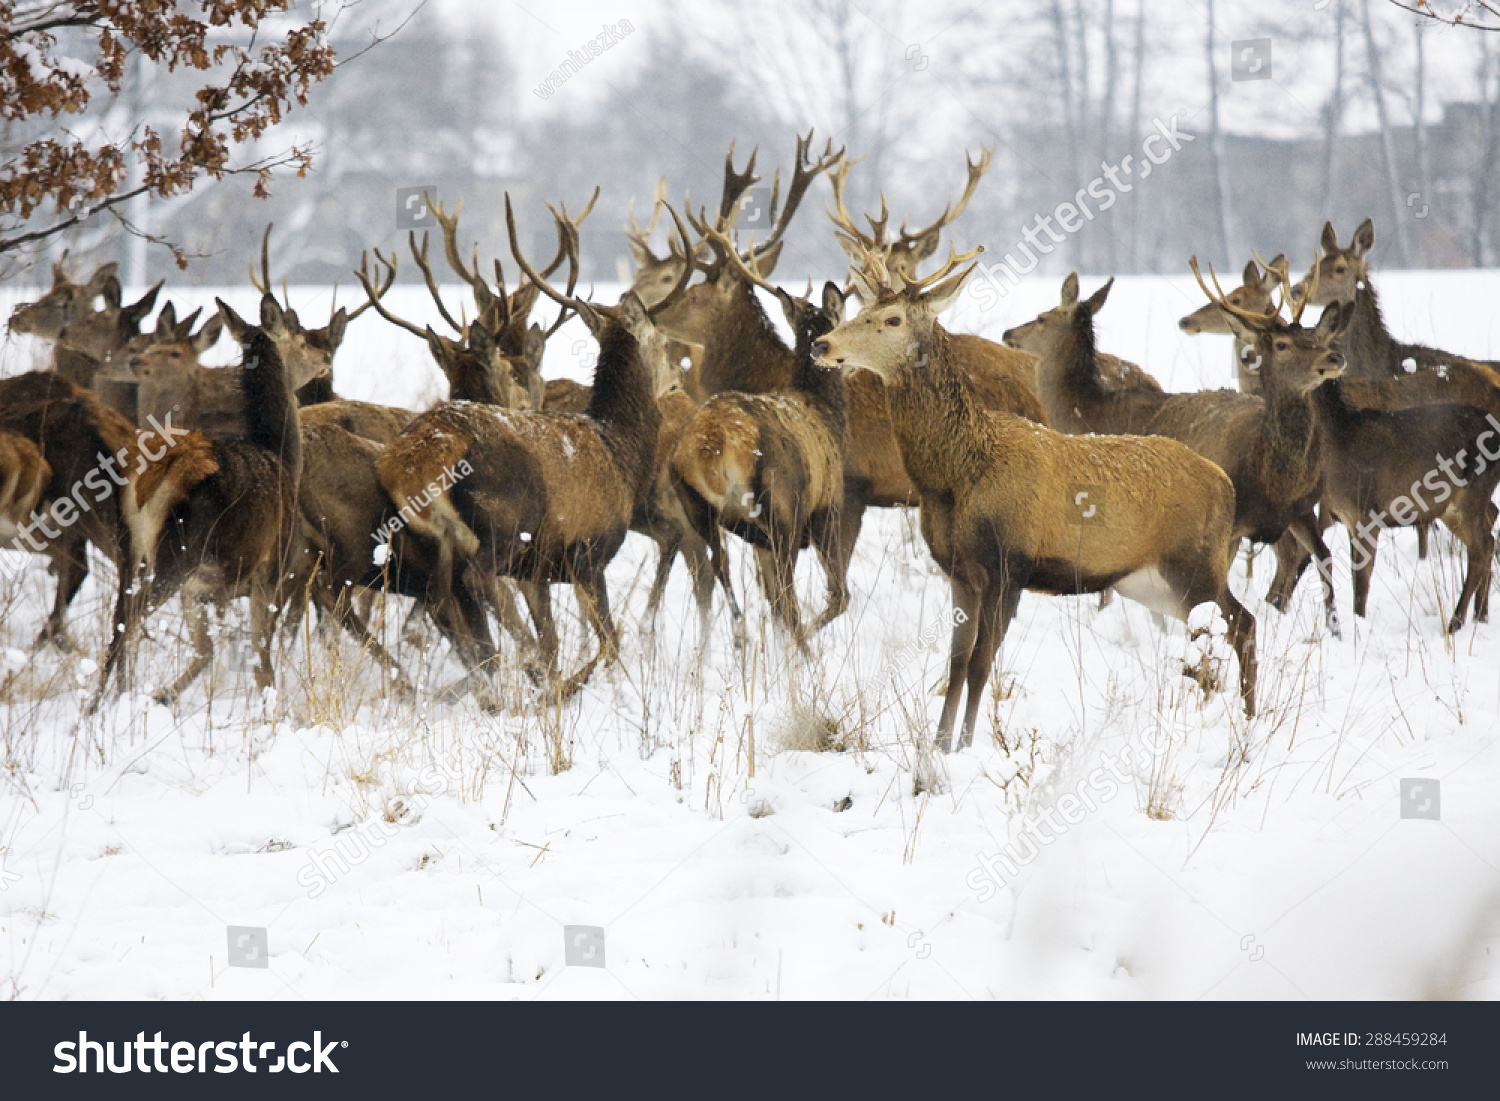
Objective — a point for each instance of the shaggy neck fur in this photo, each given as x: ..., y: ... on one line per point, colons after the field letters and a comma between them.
x: 1291, y: 452
x: 623, y: 405
x: 943, y: 435
x: 744, y: 351
x: 270, y: 407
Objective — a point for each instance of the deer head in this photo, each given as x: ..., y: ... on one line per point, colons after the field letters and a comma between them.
x: 1043, y: 336
x: 84, y: 317
x: 1254, y: 294
x: 1341, y: 272
x: 702, y: 308
x: 1289, y: 357
x: 168, y: 356
x: 893, y: 335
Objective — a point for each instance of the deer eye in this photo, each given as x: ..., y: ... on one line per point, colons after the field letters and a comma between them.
x: 1340, y: 269
x: 1282, y: 345
x: 893, y: 321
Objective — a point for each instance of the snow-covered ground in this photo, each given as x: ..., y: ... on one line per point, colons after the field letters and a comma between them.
x: 775, y: 830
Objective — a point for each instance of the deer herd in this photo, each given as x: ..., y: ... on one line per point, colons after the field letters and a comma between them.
x: 259, y: 481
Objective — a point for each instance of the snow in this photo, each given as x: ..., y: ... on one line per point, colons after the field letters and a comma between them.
x: 753, y: 829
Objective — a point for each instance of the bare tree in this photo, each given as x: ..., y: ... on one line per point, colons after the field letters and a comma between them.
x: 1221, y: 195
x: 1389, y: 165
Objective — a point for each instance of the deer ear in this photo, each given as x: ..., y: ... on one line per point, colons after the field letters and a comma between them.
x: 133, y: 313
x: 641, y: 254
x: 833, y: 301
x: 238, y: 327
x: 185, y: 327
x: 533, y: 345
x: 1096, y: 300
x: 1330, y: 238
x: 867, y: 291
x: 1070, y: 290
x: 439, y: 350
x: 336, y: 326
x: 100, y: 282
x: 940, y: 297
x: 1243, y: 332
x: 850, y: 247
x: 166, y: 322
x: 272, y: 316
x: 206, y: 337
x: 1251, y: 277
x: 633, y: 315
x: 1364, y: 238
x: 1333, y: 322
x: 924, y: 245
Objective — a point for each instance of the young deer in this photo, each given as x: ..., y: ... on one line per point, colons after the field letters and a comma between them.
x: 1061, y: 373
x: 1255, y: 294
x: 1001, y: 497
x: 770, y: 467
x: 217, y: 517
x: 550, y: 495
x: 84, y: 338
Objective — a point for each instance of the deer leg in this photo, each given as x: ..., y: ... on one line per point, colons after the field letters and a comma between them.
x: 960, y: 648
x: 1305, y: 536
x: 1242, y: 637
x: 667, y: 544
x: 502, y: 597
x: 263, y: 616
x: 1423, y: 528
x: 348, y: 616
x: 196, y: 611
x: 835, y: 547
x: 1479, y: 548
x: 1362, y: 550
x: 695, y: 554
x: 538, y: 596
x: 995, y: 611
x: 594, y: 598
x: 705, y: 522
x: 776, y: 566
x: 70, y: 564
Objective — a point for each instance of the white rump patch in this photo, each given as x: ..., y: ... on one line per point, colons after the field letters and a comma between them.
x: 1147, y: 587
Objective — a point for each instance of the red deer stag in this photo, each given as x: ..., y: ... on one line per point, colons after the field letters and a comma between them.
x: 1000, y: 495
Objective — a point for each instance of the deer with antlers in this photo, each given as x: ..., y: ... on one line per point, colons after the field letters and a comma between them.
x: 1003, y: 378
x: 550, y: 495
x: 1000, y: 495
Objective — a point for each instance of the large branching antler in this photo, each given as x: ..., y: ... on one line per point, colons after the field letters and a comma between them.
x: 568, y: 233
x: 641, y: 236
x: 374, y: 298
x: 804, y: 171
x: 950, y: 212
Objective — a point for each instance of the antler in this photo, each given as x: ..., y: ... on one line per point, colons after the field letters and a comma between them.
x: 955, y: 258
x: 568, y: 232
x: 263, y: 285
x: 389, y: 280
x: 803, y: 174
x: 748, y: 270
x: 1283, y: 276
x: 374, y: 299
x: 844, y: 221
x: 951, y: 213
x: 633, y: 231
x: 1222, y: 300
